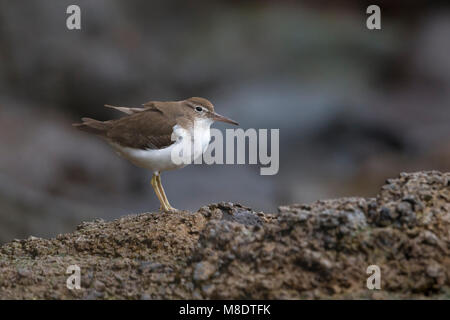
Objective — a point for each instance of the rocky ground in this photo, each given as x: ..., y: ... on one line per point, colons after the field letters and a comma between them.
x: 228, y: 251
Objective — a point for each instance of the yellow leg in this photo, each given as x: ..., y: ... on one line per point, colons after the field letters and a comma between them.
x: 155, y: 186
x: 163, y: 194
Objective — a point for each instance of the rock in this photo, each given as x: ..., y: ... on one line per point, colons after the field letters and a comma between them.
x: 24, y: 273
x: 99, y: 286
x: 145, y: 296
x: 430, y: 238
x: 203, y: 271
x: 228, y: 251
x: 434, y: 270
x: 92, y: 295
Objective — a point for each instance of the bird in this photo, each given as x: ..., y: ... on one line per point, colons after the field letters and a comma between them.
x: 148, y: 136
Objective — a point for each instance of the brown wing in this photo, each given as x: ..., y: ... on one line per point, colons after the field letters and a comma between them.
x: 149, y: 129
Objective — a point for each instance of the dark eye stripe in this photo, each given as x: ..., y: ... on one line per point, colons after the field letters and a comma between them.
x: 196, y: 106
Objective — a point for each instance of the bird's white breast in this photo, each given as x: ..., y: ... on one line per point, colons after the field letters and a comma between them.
x: 158, y: 160
x: 202, y: 132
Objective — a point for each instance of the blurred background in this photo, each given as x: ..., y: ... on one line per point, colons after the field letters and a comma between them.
x: 353, y: 106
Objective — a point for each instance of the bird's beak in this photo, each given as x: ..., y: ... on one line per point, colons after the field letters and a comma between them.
x: 218, y: 117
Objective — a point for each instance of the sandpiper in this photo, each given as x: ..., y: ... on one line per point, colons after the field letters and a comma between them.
x: 147, y: 136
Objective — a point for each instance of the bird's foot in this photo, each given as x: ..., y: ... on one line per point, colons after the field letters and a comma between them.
x: 169, y: 209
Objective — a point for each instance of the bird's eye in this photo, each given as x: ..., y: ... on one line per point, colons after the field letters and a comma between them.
x: 199, y: 109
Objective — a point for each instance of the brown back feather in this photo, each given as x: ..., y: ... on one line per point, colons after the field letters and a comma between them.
x: 142, y: 130
x: 148, y: 128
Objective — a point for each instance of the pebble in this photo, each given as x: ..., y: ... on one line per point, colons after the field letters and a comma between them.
x: 203, y: 271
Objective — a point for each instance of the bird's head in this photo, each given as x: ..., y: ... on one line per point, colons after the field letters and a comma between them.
x: 201, y: 108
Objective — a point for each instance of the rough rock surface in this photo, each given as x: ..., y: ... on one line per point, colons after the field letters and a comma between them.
x: 225, y: 250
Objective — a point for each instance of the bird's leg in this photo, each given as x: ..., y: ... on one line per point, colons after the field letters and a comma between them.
x: 155, y: 186
x: 163, y: 194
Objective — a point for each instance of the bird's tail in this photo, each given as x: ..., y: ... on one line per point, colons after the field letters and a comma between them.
x: 92, y: 126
